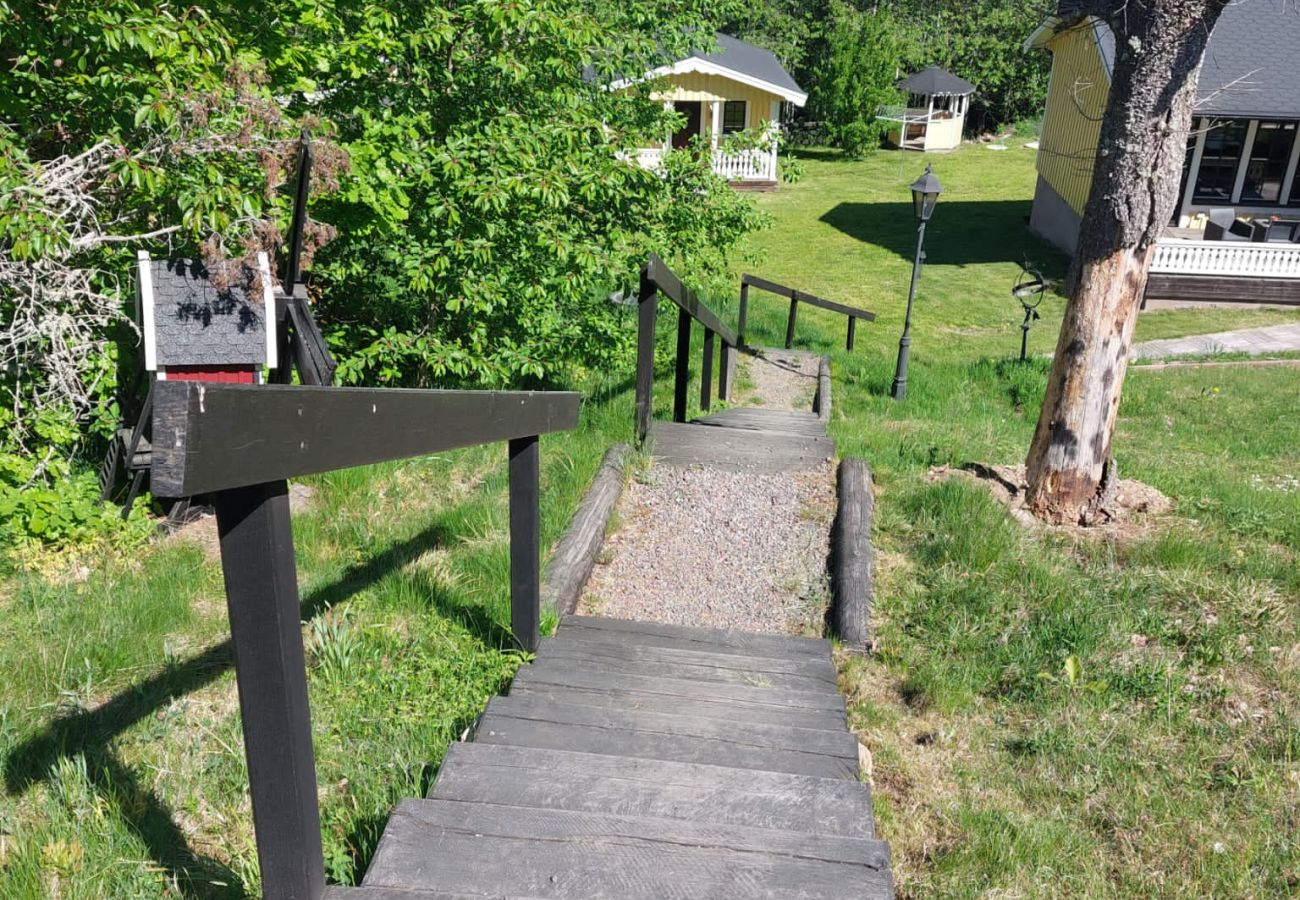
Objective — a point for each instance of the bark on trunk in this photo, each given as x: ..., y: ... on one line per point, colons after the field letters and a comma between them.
x: 1158, y: 48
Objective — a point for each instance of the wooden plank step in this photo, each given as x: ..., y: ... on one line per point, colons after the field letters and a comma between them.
x: 711, y: 640
x: 705, y: 672
x: 498, y: 728
x: 605, y: 645
x: 780, y: 421
x: 627, y: 786
x: 682, y: 723
x: 340, y: 892
x: 587, y: 673
x: 603, y: 696
x: 736, y: 450
x: 557, y: 855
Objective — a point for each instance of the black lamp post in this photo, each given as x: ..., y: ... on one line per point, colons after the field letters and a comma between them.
x: 925, y: 194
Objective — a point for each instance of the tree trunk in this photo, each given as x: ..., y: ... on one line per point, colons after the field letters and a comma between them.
x: 1158, y: 47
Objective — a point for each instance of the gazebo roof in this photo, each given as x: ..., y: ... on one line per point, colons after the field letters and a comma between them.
x: 934, y: 80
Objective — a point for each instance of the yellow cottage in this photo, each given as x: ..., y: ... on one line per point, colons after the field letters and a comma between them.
x: 736, y: 87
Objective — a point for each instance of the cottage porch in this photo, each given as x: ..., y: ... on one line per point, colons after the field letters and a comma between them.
x: 1186, y: 267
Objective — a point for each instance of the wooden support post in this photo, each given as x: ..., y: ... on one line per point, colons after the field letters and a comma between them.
x: 789, y: 325
x: 262, y: 597
x: 848, y: 342
x: 724, y: 371
x: 525, y: 539
x: 744, y: 313
x: 706, y: 371
x: 645, y: 355
x: 683, y: 377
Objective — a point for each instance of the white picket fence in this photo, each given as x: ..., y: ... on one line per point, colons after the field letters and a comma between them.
x: 1240, y: 259
x: 747, y: 165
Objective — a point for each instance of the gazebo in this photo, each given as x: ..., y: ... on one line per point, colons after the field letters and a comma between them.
x: 935, y: 114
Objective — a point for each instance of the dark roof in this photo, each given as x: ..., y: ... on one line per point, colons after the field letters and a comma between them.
x: 934, y: 80
x: 1252, y: 62
x: 748, y: 59
x: 197, y: 325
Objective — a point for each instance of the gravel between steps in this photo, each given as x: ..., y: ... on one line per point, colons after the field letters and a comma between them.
x: 781, y: 379
x: 720, y: 549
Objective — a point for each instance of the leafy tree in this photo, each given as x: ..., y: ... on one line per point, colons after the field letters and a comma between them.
x: 856, y: 77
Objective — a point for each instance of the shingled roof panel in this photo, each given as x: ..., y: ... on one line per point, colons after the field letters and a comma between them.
x: 934, y: 80
x: 198, y: 325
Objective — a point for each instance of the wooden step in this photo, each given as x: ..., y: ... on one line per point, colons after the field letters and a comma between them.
x: 703, y: 671
x: 494, y: 851
x: 598, y: 693
x: 626, y: 786
x: 731, y: 449
x: 683, y: 723
x: 709, y: 640
x: 592, y: 674
x: 600, y: 645
x: 630, y: 740
x: 776, y: 421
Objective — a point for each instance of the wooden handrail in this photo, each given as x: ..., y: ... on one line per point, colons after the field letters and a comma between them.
x: 657, y: 278
x: 240, y: 443
x: 211, y: 437
x: 796, y: 297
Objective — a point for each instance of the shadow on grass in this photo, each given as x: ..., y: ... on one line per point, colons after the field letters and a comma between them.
x: 90, y: 732
x: 961, y: 233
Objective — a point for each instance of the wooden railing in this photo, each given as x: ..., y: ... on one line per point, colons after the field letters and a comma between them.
x: 1226, y: 258
x: 239, y: 443
x: 657, y: 278
x: 743, y: 165
x: 796, y: 297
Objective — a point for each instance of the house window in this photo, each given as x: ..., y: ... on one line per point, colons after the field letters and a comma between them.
x: 1269, y: 156
x: 1219, y: 161
x: 733, y: 116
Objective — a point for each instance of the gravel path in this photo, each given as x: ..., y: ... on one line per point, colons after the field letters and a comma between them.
x: 741, y: 550
x: 782, y: 379
x: 721, y: 549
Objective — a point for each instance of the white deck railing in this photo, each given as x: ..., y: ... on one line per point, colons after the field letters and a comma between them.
x: 1230, y: 258
x: 746, y: 165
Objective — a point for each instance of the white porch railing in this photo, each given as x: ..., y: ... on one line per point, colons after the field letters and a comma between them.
x: 1231, y: 258
x: 903, y: 113
x: 745, y: 165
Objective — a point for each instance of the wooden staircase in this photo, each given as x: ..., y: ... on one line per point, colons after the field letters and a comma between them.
x: 636, y: 760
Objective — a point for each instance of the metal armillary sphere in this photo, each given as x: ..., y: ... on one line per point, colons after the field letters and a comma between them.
x: 1029, y: 289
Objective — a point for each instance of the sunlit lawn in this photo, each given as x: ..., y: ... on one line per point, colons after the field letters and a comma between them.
x: 1170, y: 764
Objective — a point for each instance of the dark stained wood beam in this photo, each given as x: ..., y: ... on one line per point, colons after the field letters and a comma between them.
x: 211, y: 437
x: 671, y: 286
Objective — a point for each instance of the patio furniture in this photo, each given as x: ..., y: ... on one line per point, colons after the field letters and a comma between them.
x: 1225, y: 226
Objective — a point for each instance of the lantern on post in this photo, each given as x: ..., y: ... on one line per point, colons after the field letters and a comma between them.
x: 925, y: 196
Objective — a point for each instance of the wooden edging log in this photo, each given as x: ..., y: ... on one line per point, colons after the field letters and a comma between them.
x: 575, y: 555
x: 822, y: 399
x: 852, y: 558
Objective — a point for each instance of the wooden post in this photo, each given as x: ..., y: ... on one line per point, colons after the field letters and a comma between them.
x: 706, y: 371
x: 683, y: 377
x: 262, y: 597
x: 724, y: 371
x: 525, y: 538
x: 645, y: 355
x: 744, y: 313
x: 848, y: 342
x: 789, y: 325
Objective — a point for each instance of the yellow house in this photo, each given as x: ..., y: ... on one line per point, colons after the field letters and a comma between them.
x: 1244, y: 149
x: 736, y: 87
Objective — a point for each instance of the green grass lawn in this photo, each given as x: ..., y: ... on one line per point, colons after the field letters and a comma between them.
x: 1167, y: 765
x: 1167, y: 762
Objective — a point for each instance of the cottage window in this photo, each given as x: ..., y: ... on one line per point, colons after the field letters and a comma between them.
x: 1269, y: 156
x: 1219, y: 162
x: 733, y: 116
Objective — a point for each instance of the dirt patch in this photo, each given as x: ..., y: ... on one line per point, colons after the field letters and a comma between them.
x: 1136, y: 503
